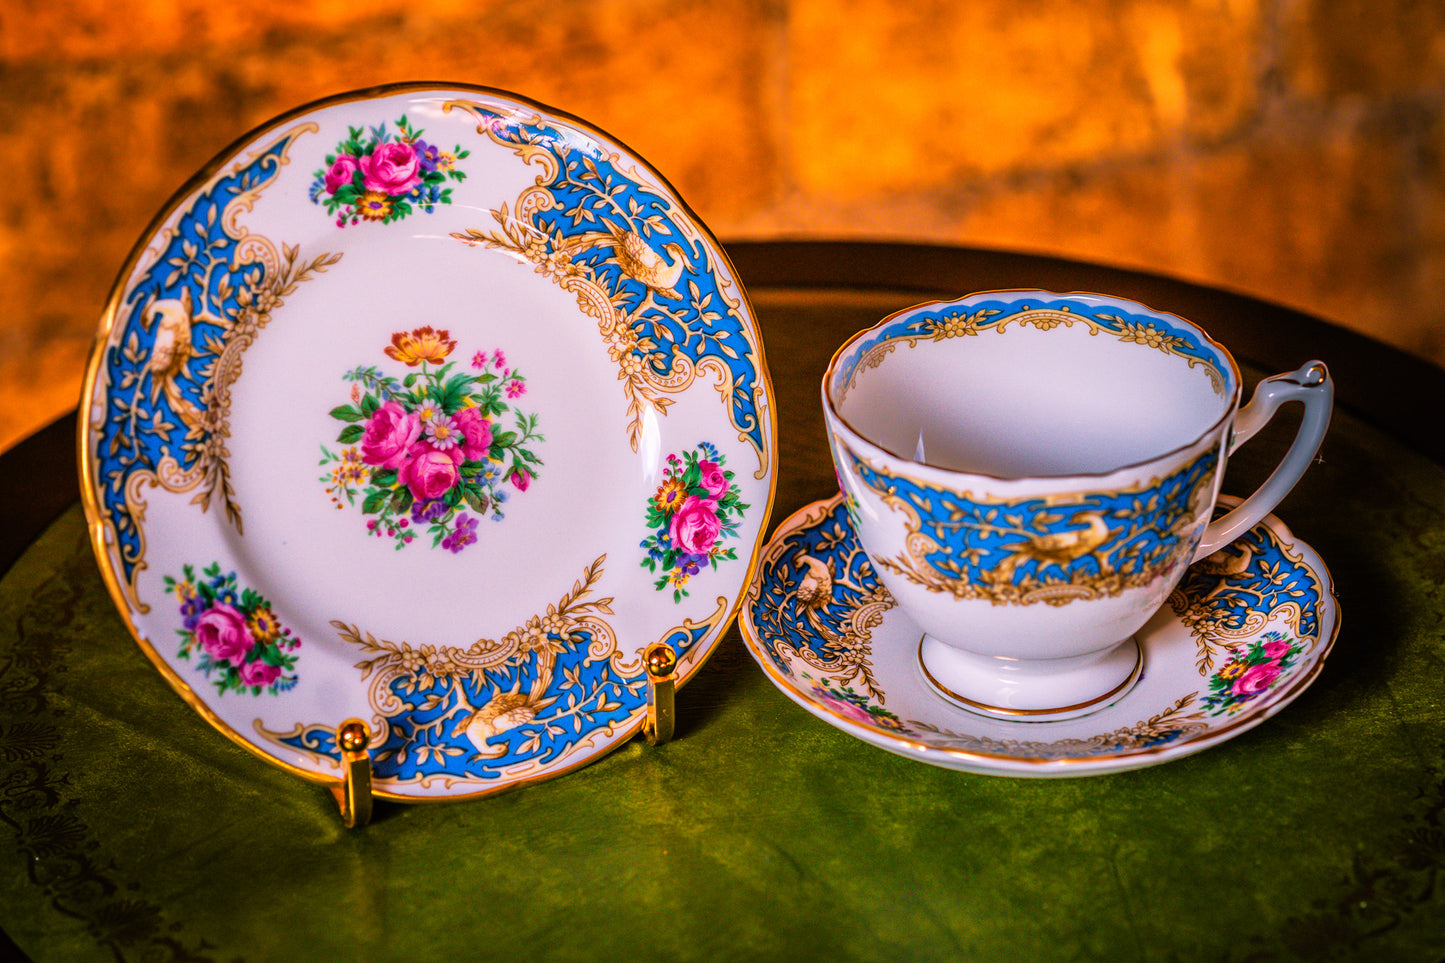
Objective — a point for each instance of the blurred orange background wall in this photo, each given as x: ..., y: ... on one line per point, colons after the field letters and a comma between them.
x: 1290, y: 149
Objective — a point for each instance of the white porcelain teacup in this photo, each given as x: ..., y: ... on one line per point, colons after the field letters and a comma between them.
x: 1032, y: 473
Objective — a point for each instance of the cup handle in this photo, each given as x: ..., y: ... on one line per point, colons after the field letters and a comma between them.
x: 1311, y: 385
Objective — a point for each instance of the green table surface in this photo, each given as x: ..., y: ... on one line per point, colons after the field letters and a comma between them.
x: 130, y: 829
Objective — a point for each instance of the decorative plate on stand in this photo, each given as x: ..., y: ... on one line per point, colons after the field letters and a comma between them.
x: 1243, y: 636
x: 432, y: 407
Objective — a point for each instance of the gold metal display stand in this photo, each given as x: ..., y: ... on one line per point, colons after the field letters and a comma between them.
x: 353, y: 793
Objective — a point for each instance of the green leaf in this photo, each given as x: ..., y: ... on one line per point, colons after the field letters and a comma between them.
x: 454, y: 393
x: 346, y: 413
x: 475, y: 499
x: 369, y: 404
x: 401, y: 501
x: 351, y: 434
x: 374, y: 501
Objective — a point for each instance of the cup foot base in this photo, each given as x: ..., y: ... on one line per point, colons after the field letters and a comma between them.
x: 1033, y: 690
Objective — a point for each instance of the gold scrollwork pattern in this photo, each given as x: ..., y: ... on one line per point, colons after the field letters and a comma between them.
x: 639, y: 293
x: 1049, y: 549
x: 196, y: 304
x: 1171, y: 724
x: 1235, y: 593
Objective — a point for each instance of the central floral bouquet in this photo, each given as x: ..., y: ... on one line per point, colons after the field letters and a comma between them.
x: 429, y: 450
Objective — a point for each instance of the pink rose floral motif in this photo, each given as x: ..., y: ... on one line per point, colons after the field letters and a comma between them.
x: 432, y: 452
x: 221, y: 632
x: 340, y: 173
x: 476, y: 433
x: 854, y: 706
x: 390, y: 433
x: 713, y: 478
x: 429, y: 472
x: 1251, y: 671
x: 259, y: 674
x: 1256, y: 680
x: 232, y: 633
x: 694, y: 510
x: 696, y: 526
x: 381, y: 175
x: 390, y: 168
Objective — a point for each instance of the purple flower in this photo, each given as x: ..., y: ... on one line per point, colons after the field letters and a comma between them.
x: 429, y: 510
x: 463, y: 535
x: 191, y: 613
x: 426, y: 155
x: 691, y: 564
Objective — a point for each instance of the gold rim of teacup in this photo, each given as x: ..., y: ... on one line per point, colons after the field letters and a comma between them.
x: 1230, y: 408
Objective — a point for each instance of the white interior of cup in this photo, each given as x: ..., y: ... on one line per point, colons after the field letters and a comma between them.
x: 1032, y: 399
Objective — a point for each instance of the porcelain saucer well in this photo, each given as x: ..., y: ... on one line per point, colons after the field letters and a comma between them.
x: 1244, y: 635
x: 431, y: 407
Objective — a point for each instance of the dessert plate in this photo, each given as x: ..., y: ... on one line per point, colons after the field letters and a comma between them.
x: 432, y: 407
x: 1244, y: 634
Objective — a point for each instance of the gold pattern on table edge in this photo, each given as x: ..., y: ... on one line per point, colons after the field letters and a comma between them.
x: 1137, y: 736
x: 642, y: 386
x: 959, y: 324
x: 997, y: 585
x: 1204, y: 623
x: 208, y: 424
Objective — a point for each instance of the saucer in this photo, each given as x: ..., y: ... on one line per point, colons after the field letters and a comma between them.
x: 431, y: 407
x: 1245, y: 633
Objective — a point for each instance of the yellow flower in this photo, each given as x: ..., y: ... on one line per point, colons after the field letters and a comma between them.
x: 374, y: 206
x: 1233, y: 669
x: 264, y: 625
x: 420, y: 344
x: 670, y: 496
x: 351, y: 470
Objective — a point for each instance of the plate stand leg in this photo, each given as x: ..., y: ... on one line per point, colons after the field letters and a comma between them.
x: 354, y: 793
x: 661, y: 664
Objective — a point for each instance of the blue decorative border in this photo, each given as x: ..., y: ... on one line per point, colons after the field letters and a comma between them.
x: 147, y: 421
x: 592, y: 194
x: 1099, y: 541
x: 802, y: 631
x: 582, y: 697
x: 1219, y: 603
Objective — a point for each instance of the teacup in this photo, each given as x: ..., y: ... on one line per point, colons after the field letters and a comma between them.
x: 1032, y: 473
